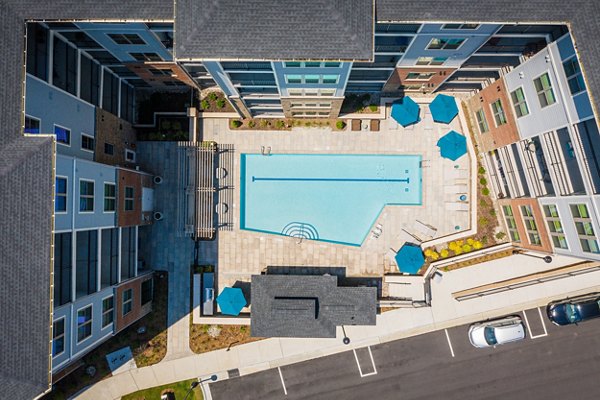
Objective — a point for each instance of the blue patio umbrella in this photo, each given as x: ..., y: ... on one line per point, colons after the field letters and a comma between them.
x: 405, y: 111
x: 443, y: 108
x: 231, y: 301
x: 410, y: 259
x: 452, y: 145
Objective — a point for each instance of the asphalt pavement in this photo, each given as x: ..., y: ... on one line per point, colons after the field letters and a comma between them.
x: 551, y: 363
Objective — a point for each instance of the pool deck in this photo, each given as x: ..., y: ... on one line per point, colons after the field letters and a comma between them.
x: 243, y: 253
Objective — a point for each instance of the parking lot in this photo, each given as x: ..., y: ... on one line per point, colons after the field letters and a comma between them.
x: 442, y: 365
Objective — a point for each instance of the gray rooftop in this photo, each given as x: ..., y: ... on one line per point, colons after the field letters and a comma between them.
x: 266, y: 29
x: 26, y: 170
x: 307, y: 306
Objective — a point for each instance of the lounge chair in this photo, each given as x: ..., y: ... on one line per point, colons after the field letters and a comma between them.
x: 355, y: 126
x: 456, y: 189
x: 425, y: 230
x: 374, y: 125
x: 458, y: 206
x: 455, y: 173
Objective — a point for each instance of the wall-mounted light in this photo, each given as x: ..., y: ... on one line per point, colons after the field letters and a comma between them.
x: 547, y: 58
x: 521, y: 75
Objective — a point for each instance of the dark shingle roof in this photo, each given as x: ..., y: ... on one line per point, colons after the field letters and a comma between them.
x: 307, y: 306
x: 26, y: 170
x: 266, y: 29
x: 582, y: 15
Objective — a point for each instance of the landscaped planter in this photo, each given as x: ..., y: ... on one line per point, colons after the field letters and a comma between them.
x: 286, y: 124
x: 215, y: 102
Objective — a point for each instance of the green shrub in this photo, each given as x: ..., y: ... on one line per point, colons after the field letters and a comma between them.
x: 280, y: 124
x: 492, y: 212
x: 205, y: 104
x: 236, y: 123
x: 340, y: 124
x: 264, y: 123
x: 483, y: 203
x: 308, y: 123
x: 483, y: 181
x: 373, y: 107
x: 220, y: 103
x: 251, y: 124
x: 212, y: 96
x: 500, y: 235
x: 481, y: 170
x: 485, y: 191
x: 483, y: 221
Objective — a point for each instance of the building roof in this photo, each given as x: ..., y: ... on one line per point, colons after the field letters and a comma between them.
x: 307, y: 305
x: 281, y: 30
x: 26, y: 167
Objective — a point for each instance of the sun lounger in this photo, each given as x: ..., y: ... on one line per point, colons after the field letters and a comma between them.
x: 374, y: 125
x: 456, y: 189
x: 424, y: 230
x: 452, y: 206
x: 355, y: 126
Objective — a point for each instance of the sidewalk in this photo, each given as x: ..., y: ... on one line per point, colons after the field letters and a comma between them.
x: 391, y: 325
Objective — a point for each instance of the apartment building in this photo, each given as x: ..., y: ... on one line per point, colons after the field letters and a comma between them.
x: 540, y: 139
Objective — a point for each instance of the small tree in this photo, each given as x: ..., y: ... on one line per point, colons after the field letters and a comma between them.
x: 205, y: 104
x: 251, y: 124
x: 340, y: 125
x: 373, y: 107
x: 485, y: 191
x: 212, y: 96
x: 280, y: 124
x: 220, y: 103
x: 236, y: 123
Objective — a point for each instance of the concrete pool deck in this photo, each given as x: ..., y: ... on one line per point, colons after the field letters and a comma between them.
x: 243, y: 253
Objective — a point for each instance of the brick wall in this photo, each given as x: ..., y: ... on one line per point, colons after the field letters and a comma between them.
x: 116, y: 131
x: 137, y: 311
x: 399, y: 82
x: 546, y: 244
x: 133, y: 179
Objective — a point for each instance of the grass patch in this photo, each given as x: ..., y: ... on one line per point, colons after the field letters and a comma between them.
x: 202, y: 342
x: 178, y: 388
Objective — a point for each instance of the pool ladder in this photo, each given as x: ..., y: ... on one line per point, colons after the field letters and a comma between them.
x: 265, y: 151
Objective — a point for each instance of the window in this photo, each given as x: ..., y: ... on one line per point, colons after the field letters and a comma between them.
x: 128, y: 246
x: 431, y: 60
x: 87, y: 142
x: 530, y: 226
x: 312, y: 64
x: 518, y: 99
x: 63, y: 135
x: 128, y: 198
x: 60, y: 198
x: 146, y: 291
x: 311, y: 78
x: 86, y: 196
x: 331, y: 65
x: 127, y: 301
x: 481, y: 121
x: 511, y: 224
x: 109, y: 257
x: 555, y: 226
x: 293, y: 64
x: 86, y: 263
x: 109, y: 149
x: 63, y: 269
x: 585, y: 229
x: 146, y: 56
x: 84, y: 323
x: 109, y: 197
x: 460, y: 26
x: 498, y: 112
x: 420, y: 76
x: 444, y: 44
x: 129, y: 155
x: 107, y: 311
x: 160, y: 72
x: 330, y: 79
x: 574, y: 76
x: 32, y: 125
x: 543, y: 87
x: 126, y: 38
x: 293, y: 78
x: 58, y: 337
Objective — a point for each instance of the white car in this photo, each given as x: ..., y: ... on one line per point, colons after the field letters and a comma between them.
x: 497, y: 331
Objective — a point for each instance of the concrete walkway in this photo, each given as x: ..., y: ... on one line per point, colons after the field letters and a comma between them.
x: 392, y: 325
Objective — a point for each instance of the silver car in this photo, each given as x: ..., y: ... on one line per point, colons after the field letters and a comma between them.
x: 497, y: 331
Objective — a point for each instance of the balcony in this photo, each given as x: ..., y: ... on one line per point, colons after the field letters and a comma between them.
x: 586, y: 139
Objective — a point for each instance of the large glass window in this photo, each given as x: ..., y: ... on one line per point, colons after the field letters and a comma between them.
x: 498, y: 111
x: 110, y: 93
x: 574, y: 76
x: 511, y: 224
x: 461, y: 26
x: 110, y: 197
x: 585, y: 229
x: 445, y: 43
x: 32, y: 125
x: 63, y: 135
x: 109, y: 265
x: 87, y: 142
x: 58, y: 337
x: 530, y: 226
x: 128, y: 245
x: 37, y: 51
x: 64, y: 62
x: 84, y: 323
x: 63, y: 270
x: 86, y: 196
x: 127, y: 301
x: 431, y: 60
x: 129, y: 198
x: 86, y: 275
x: 90, y: 81
x: 60, y: 198
x: 543, y: 87
x: 146, y: 56
x: 126, y: 38
x: 518, y: 99
x: 147, y: 291
x: 107, y: 311
x: 555, y: 226
x: 482, y: 121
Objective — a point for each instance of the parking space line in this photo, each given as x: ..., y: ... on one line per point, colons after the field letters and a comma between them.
x: 372, y: 362
x: 449, y: 342
x: 531, y: 336
x: 282, y: 382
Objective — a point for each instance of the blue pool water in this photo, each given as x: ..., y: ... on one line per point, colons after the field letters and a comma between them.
x: 334, y: 198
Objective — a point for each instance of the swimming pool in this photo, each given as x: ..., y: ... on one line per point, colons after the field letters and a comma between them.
x: 333, y: 198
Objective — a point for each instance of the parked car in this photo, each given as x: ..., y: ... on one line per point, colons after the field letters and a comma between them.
x: 574, y: 310
x: 498, y: 331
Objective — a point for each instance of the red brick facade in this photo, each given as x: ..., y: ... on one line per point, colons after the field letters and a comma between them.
x: 546, y: 244
x: 399, y: 80
x: 137, y: 310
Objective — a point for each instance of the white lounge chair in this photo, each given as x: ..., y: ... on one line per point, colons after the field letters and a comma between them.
x: 451, y: 206
x: 425, y: 230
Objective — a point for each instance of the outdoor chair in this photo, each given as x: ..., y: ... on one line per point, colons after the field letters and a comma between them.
x: 374, y: 125
x: 425, y: 230
x: 356, y: 125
